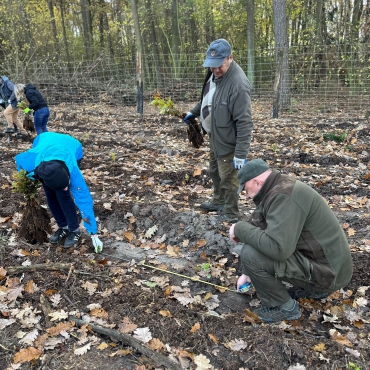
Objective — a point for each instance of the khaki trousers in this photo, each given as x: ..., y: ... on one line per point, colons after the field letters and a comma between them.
x: 11, y: 116
x: 225, y: 183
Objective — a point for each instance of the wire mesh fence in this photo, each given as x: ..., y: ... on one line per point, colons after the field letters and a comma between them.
x: 324, y: 78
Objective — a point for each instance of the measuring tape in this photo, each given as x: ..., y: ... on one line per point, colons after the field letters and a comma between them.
x: 177, y: 274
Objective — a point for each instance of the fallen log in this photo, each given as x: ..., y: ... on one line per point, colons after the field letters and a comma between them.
x: 37, y: 267
x: 158, y: 358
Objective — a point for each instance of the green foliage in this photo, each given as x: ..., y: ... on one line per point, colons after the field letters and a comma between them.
x: 22, y: 105
x: 352, y: 366
x: 337, y: 137
x: 165, y: 106
x: 274, y: 148
x: 113, y: 156
x: 25, y: 186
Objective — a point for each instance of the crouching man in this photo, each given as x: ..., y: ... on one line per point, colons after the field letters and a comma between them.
x: 292, y: 236
x: 53, y: 159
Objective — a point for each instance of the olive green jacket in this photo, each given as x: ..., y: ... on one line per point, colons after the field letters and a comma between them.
x: 290, y: 218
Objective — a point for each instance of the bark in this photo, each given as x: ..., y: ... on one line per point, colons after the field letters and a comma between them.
x: 157, y: 357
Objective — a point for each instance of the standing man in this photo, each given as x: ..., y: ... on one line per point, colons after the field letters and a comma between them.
x: 53, y: 160
x: 7, y: 95
x: 292, y: 236
x: 225, y: 113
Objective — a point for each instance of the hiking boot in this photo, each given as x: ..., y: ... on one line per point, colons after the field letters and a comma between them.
x: 309, y: 294
x: 210, y: 207
x: 20, y: 135
x: 72, y: 239
x: 58, y: 236
x: 15, y: 128
x: 223, y: 217
x: 9, y: 130
x: 277, y: 314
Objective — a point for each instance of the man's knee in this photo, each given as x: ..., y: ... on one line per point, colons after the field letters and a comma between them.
x: 253, y: 260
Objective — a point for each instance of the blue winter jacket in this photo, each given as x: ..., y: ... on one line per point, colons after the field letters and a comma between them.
x: 53, y: 146
x: 7, y: 91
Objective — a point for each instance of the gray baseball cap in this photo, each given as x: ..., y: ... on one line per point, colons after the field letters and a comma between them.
x: 216, y: 53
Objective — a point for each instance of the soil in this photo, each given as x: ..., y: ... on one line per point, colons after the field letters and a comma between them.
x: 147, y: 182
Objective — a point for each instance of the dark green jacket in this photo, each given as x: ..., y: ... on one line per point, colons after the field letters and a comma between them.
x: 231, y: 115
x: 292, y: 218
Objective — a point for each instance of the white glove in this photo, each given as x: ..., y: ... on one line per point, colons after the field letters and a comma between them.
x: 97, y: 243
x: 9, y: 101
x: 1, y: 101
x: 239, y: 163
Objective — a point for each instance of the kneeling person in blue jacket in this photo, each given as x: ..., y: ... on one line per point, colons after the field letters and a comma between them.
x: 53, y: 159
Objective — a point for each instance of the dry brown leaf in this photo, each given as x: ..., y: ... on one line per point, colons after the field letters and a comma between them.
x: 195, y: 327
x: 251, y: 317
x: 156, y: 344
x: 102, y: 346
x: 62, y: 326
x: 123, y: 352
x: 201, y: 243
x: 30, y: 287
x: 129, y: 236
x: 27, y: 355
x: 165, y: 313
x: 197, y: 171
x: 213, y: 338
x: 345, y: 226
x: 351, y: 231
x: 127, y: 326
x: 319, y: 347
x: 99, y: 312
x: 50, y: 291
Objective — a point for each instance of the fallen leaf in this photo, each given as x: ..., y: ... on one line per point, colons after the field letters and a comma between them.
x: 27, y: 355
x: 143, y: 335
x: 82, y: 350
x: 195, y: 327
x: 319, y: 347
x: 213, y: 338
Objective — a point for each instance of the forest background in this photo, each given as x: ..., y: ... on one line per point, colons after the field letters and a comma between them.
x: 313, y: 52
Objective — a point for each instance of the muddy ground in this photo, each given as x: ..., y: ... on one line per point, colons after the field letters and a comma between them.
x: 147, y: 182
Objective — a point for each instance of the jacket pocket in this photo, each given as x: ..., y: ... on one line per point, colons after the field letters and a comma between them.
x: 295, y: 267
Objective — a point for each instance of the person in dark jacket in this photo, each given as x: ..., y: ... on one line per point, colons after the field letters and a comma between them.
x: 292, y: 236
x: 225, y: 113
x: 10, y: 103
x: 36, y: 103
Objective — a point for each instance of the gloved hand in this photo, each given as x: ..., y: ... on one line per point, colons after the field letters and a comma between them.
x: 1, y: 101
x: 27, y: 110
x: 187, y: 117
x: 9, y: 101
x: 97, y: 243
x: 239, y: 163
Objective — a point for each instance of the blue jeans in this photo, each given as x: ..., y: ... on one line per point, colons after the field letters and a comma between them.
x: 62, y: 207
x: 40, y: 120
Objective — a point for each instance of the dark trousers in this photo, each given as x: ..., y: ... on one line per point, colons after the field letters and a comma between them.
x: 62, y: 207
x: 40, y: 120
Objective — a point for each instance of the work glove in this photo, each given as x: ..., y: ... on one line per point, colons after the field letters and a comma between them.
x: 239, y: 163
x: 27, y: 110
x: 9, y: 101
x: 97, y: 243
x: 187, y: 117
x: 1, y: 101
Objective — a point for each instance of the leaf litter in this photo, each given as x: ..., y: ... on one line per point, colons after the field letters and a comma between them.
x: 147, y: 202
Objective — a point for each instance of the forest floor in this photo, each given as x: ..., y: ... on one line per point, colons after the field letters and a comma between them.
x: 166, y: 278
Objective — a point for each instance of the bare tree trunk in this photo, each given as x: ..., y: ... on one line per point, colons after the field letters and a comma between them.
x: 250, y: 42
x: 86, y: 27
x: 65, y: 41
x: 281, y: 45
x: 53, y: 26
x: 175, y: 39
